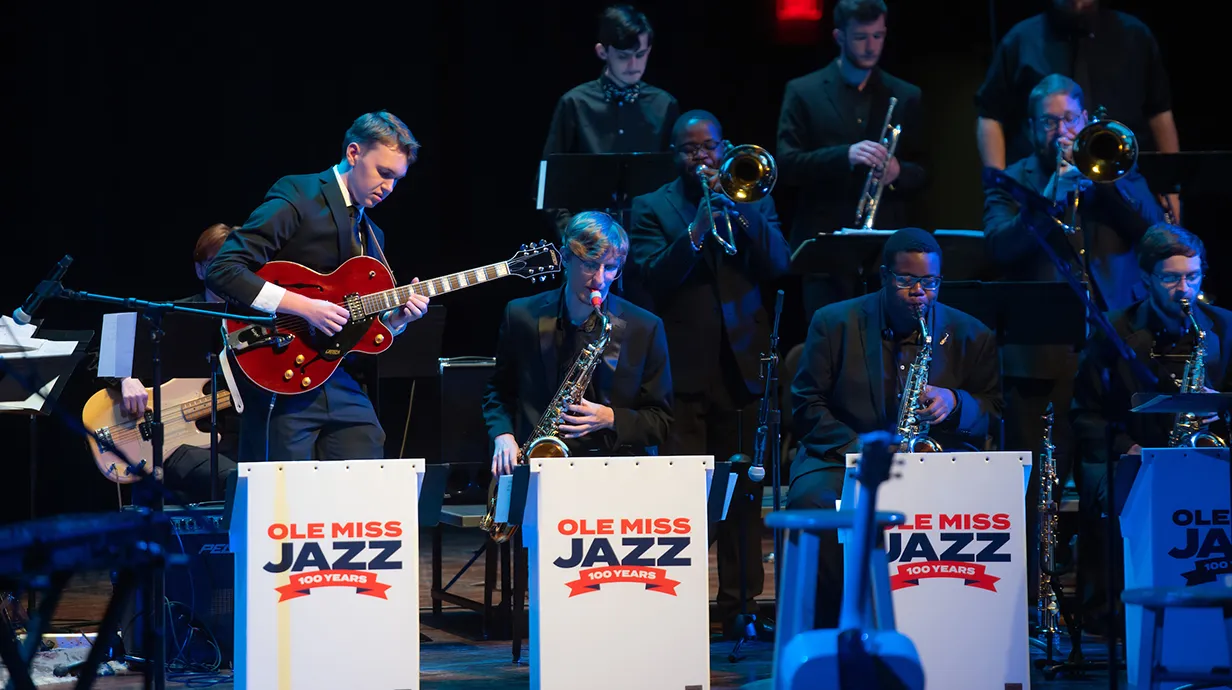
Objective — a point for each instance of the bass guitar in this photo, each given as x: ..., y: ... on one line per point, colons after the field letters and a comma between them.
x: 184, y: 402
x: 293, y: 357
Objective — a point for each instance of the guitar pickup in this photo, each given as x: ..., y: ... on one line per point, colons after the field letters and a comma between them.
x: 257, y: 336
x: 144, y: 426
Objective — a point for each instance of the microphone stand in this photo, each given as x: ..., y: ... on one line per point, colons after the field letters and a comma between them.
x: 1028, y: 202
x: 768, y: 438
x: 769, y: 434
x: 151, y: 593
x: 213, y: 426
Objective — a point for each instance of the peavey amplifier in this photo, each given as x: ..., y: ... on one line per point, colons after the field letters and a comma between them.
x: 200, y: 596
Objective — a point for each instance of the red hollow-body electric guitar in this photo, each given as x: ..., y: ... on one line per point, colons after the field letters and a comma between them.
x: 294, y: 357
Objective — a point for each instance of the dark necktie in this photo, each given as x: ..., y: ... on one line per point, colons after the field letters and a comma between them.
x: 357, y: 231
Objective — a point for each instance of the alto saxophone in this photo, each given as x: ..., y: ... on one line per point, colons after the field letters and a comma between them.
x: 913, y: 431
x: 1049, y: 608
x: 1187, y: 430
x: 545, y: 441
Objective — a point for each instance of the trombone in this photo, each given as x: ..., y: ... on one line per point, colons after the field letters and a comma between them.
x: 1103, y: 151
x: 870, y: 198
x: 746, y: 173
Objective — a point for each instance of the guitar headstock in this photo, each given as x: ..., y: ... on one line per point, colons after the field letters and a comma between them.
x: 536, y: 262
x: 876, y: 458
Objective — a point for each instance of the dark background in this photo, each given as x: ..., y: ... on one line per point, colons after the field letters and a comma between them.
x: 132, y: 129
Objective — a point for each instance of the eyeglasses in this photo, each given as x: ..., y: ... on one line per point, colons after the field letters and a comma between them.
x: 1052, y: 122
x: 1171, y: 279
x: 590, y: 268
x: 907, y: 281
x: 691, y: 149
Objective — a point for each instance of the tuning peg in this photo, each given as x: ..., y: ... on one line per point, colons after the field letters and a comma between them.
x: 523, y: 246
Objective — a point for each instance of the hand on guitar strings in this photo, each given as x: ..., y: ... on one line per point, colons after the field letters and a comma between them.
x: 506, y: 454
x: 940, y: 403
x: 416, y: 306
x: 327, y: 317
x: 133, y: 397
x: 586, y: 418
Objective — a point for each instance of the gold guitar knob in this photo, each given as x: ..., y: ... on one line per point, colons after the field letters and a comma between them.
x: 299, y: 359
x: 288, y: 374
x: 380, y: 338
x: 306, y: 382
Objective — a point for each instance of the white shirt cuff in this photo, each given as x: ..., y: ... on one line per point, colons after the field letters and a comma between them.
x: 268, y: 299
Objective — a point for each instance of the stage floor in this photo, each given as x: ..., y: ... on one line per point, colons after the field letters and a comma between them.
x: 457, y: 658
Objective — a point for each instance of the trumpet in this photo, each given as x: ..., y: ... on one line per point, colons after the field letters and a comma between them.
x: 746, y: 173
x: 870, y: 198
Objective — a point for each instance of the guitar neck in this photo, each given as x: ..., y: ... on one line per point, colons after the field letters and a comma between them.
x: 199, y: 408
x: 385, y: 300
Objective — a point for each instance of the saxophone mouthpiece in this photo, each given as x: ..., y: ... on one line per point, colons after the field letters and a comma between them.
x: 596, y: 299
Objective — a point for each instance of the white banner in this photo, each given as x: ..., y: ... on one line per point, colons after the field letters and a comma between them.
x: 619, y: 587
x: 958, y: 565
x: 1175, y: 527
x: 327, y: 575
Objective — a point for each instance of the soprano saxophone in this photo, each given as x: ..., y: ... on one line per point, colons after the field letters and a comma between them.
x: 913, y: 431
x: 1049, y: 608
x: 545, y: 440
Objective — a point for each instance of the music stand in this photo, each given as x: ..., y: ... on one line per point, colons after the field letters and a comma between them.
x: 602, y: 181
x: 1192, y: 173
x: 416, y: 352
x: 843, y: 255
x: 413, y: 355
x: 43, y: 368
x: 1021, y: 312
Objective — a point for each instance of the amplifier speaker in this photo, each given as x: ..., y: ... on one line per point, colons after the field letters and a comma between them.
x: 464, y: 435
x: 200, y: 595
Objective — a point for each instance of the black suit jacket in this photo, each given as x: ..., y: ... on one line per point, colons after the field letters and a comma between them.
x: 1114, y: 217
x: 838, y: 392
x: 634, y: 378
x: 1106, y: 384
x: 705, y: 295
x: 303, y: 219
x: 815, y: 132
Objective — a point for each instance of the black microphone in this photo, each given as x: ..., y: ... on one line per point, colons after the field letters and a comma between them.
x: 45, y: 289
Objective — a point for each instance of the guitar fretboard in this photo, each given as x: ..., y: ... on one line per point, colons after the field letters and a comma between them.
x: 378, y: 302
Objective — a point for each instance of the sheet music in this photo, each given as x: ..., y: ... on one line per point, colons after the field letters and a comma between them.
x: 15, y: 337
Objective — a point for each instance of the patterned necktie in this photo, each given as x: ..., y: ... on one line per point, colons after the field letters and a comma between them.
x: 357, y: 231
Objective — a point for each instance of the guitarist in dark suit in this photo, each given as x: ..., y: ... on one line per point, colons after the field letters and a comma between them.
x: 856, y: 358
x: 1172, y: 262
x: 627, y: 407
x: 830, y: 130
x: 318, y: 220
x: 717, y: 327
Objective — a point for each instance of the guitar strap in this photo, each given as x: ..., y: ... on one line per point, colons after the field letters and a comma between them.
x: 383, y: 259
x: 224, y: 363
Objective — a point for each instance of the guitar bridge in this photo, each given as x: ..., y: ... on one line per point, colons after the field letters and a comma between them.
x: 257, y: 336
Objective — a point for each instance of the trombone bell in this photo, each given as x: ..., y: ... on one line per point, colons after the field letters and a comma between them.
x: 747, y: 173
x: 1105, y: 150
